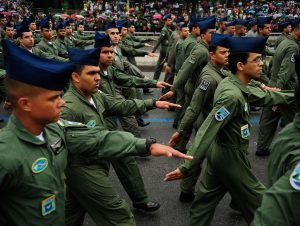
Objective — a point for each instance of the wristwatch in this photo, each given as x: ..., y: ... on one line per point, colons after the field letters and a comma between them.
x: 149, y: 142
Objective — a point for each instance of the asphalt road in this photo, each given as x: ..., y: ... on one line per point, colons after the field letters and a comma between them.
x: 172, y: 211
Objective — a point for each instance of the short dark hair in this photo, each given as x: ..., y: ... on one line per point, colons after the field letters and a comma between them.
x: 234, y: 58
x: 260, y: 26
x: 78, y: 68
x: 203, y: 31
x: 212, y: 49
x: 192, y: 25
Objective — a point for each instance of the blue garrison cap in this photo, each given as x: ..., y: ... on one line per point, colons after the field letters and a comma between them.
x: 45, y: 22
x: 297, y: 65
x: 232, y: 23
x: 102, y: 40
x: 261, y: 20
x: 111, y: 24
x: 68, y: 22
x: 219, y: 40
x: 22, y: 27
x: 130, y: 23
x: 247, y: 44
x: 295, y: 22
x: 60, y: 25
x: 23, y: 66
x: 122, y: 23
x: 84, y: 57
x: 184, y: 25
x: 283, y: 25
x: 207, y: 24
x: 167, y: 16
x: 9, y: 25
x: 179, y: 20
x: 242, y: 22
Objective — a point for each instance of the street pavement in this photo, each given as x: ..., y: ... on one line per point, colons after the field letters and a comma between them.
x: 172, y: 211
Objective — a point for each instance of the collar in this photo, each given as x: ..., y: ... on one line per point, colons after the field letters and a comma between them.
x: 217, y: 69
x: 204, y: 43
x: 234, y: 79
x: 16, y: 126
x: 78, y: 94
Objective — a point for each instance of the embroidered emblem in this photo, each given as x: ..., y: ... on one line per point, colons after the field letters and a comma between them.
x: 245, y: 131
x: 293, y: 58
x: 48, y: 205
x: 295, y: 178
x: 39, y: 165
x: 91, y: 124
x: 204, y: 85
x: 221, y: 114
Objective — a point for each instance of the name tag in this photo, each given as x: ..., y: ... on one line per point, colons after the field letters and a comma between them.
x: 245, y: 131
x: 48, y: 205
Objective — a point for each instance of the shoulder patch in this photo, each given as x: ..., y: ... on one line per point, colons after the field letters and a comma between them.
x: 91, y: 123
x: 192, y: 60
x: 221, y: 114
x: 293, y: 58
x: 295, y: 178
x: 204, y: 85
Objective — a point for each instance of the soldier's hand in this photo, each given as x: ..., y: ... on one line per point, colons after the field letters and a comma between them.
x: 174, y: 175
x: 151, y: 54
x: 161, y: 84
x: 174, y: 139
x: 164, y: 150
x: 167, y: 95
x: 273, y: 89
x: 148, y: 45
x: 166, y: 105
x: 168, y: 69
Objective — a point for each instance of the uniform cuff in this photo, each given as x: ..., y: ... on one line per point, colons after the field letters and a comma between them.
x: 141, y: 147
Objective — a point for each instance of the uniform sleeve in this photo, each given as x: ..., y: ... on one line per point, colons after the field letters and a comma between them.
x: 132, y: 69
x: 172, y: 55
x: 123, y: 79
x: 202, y: 95
x: 223, y: 111
x: 280, y: 205
x: 259, y: 97
x: 122, y: 107
x: 104, y: 144
x: 162, y: 36
x: 287, y: 68
x: 71, y: 115
x: 129, y: 51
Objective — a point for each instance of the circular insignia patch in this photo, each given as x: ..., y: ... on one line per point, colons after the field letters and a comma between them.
x: 39, y: 165
x: 295, y: 178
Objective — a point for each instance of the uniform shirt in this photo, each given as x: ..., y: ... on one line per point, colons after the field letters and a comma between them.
x: 163, y: 39
x: 32, y: 171
x: 280, y: 204
x: 62, y: 47
x: 202, y: 101
x: 227, y: 125
x: 283, y: 74
x: 50, y: 49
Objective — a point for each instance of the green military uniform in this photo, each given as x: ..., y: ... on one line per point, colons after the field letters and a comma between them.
x: 280, y: 204
x: 107, y: 208
x: 188, y: 77
x: 224, y: 139
x: 32, y: 170
x: 50, y: 49
x: 86, y: 38
x: 199, y: 108
x: 279, y: 40
x: 40, y: 53
x: 163, y: 40
x: 283, y: 77
x: 2, y: 87
x: 36, y: 36
x: 62, y: 47
x: 134, y: 42
x: 72, y: 42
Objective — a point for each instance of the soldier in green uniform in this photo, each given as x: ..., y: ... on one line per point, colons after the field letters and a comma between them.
x: 10, y: 32
x: 86, y: 104
x: 46, y: 44
x: 35, y: 144
x: 224, y: 137
x: 283, y: 77
x: 35, y: 33
x: 253, y: 29
x: 163, y: 41
x: 60, y: 40
x: 230, y: 28
x: 201, y: 104
x: 280, y: 204
x: 80, y: 35
x: 285, y: 28
x: 71, y: 41
x: 222, y: 25
x: 189, y: 74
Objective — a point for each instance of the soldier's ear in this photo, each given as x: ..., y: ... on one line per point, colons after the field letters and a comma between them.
x: 75, y: 77
x: 24, y: 104
x: 240, y: 66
